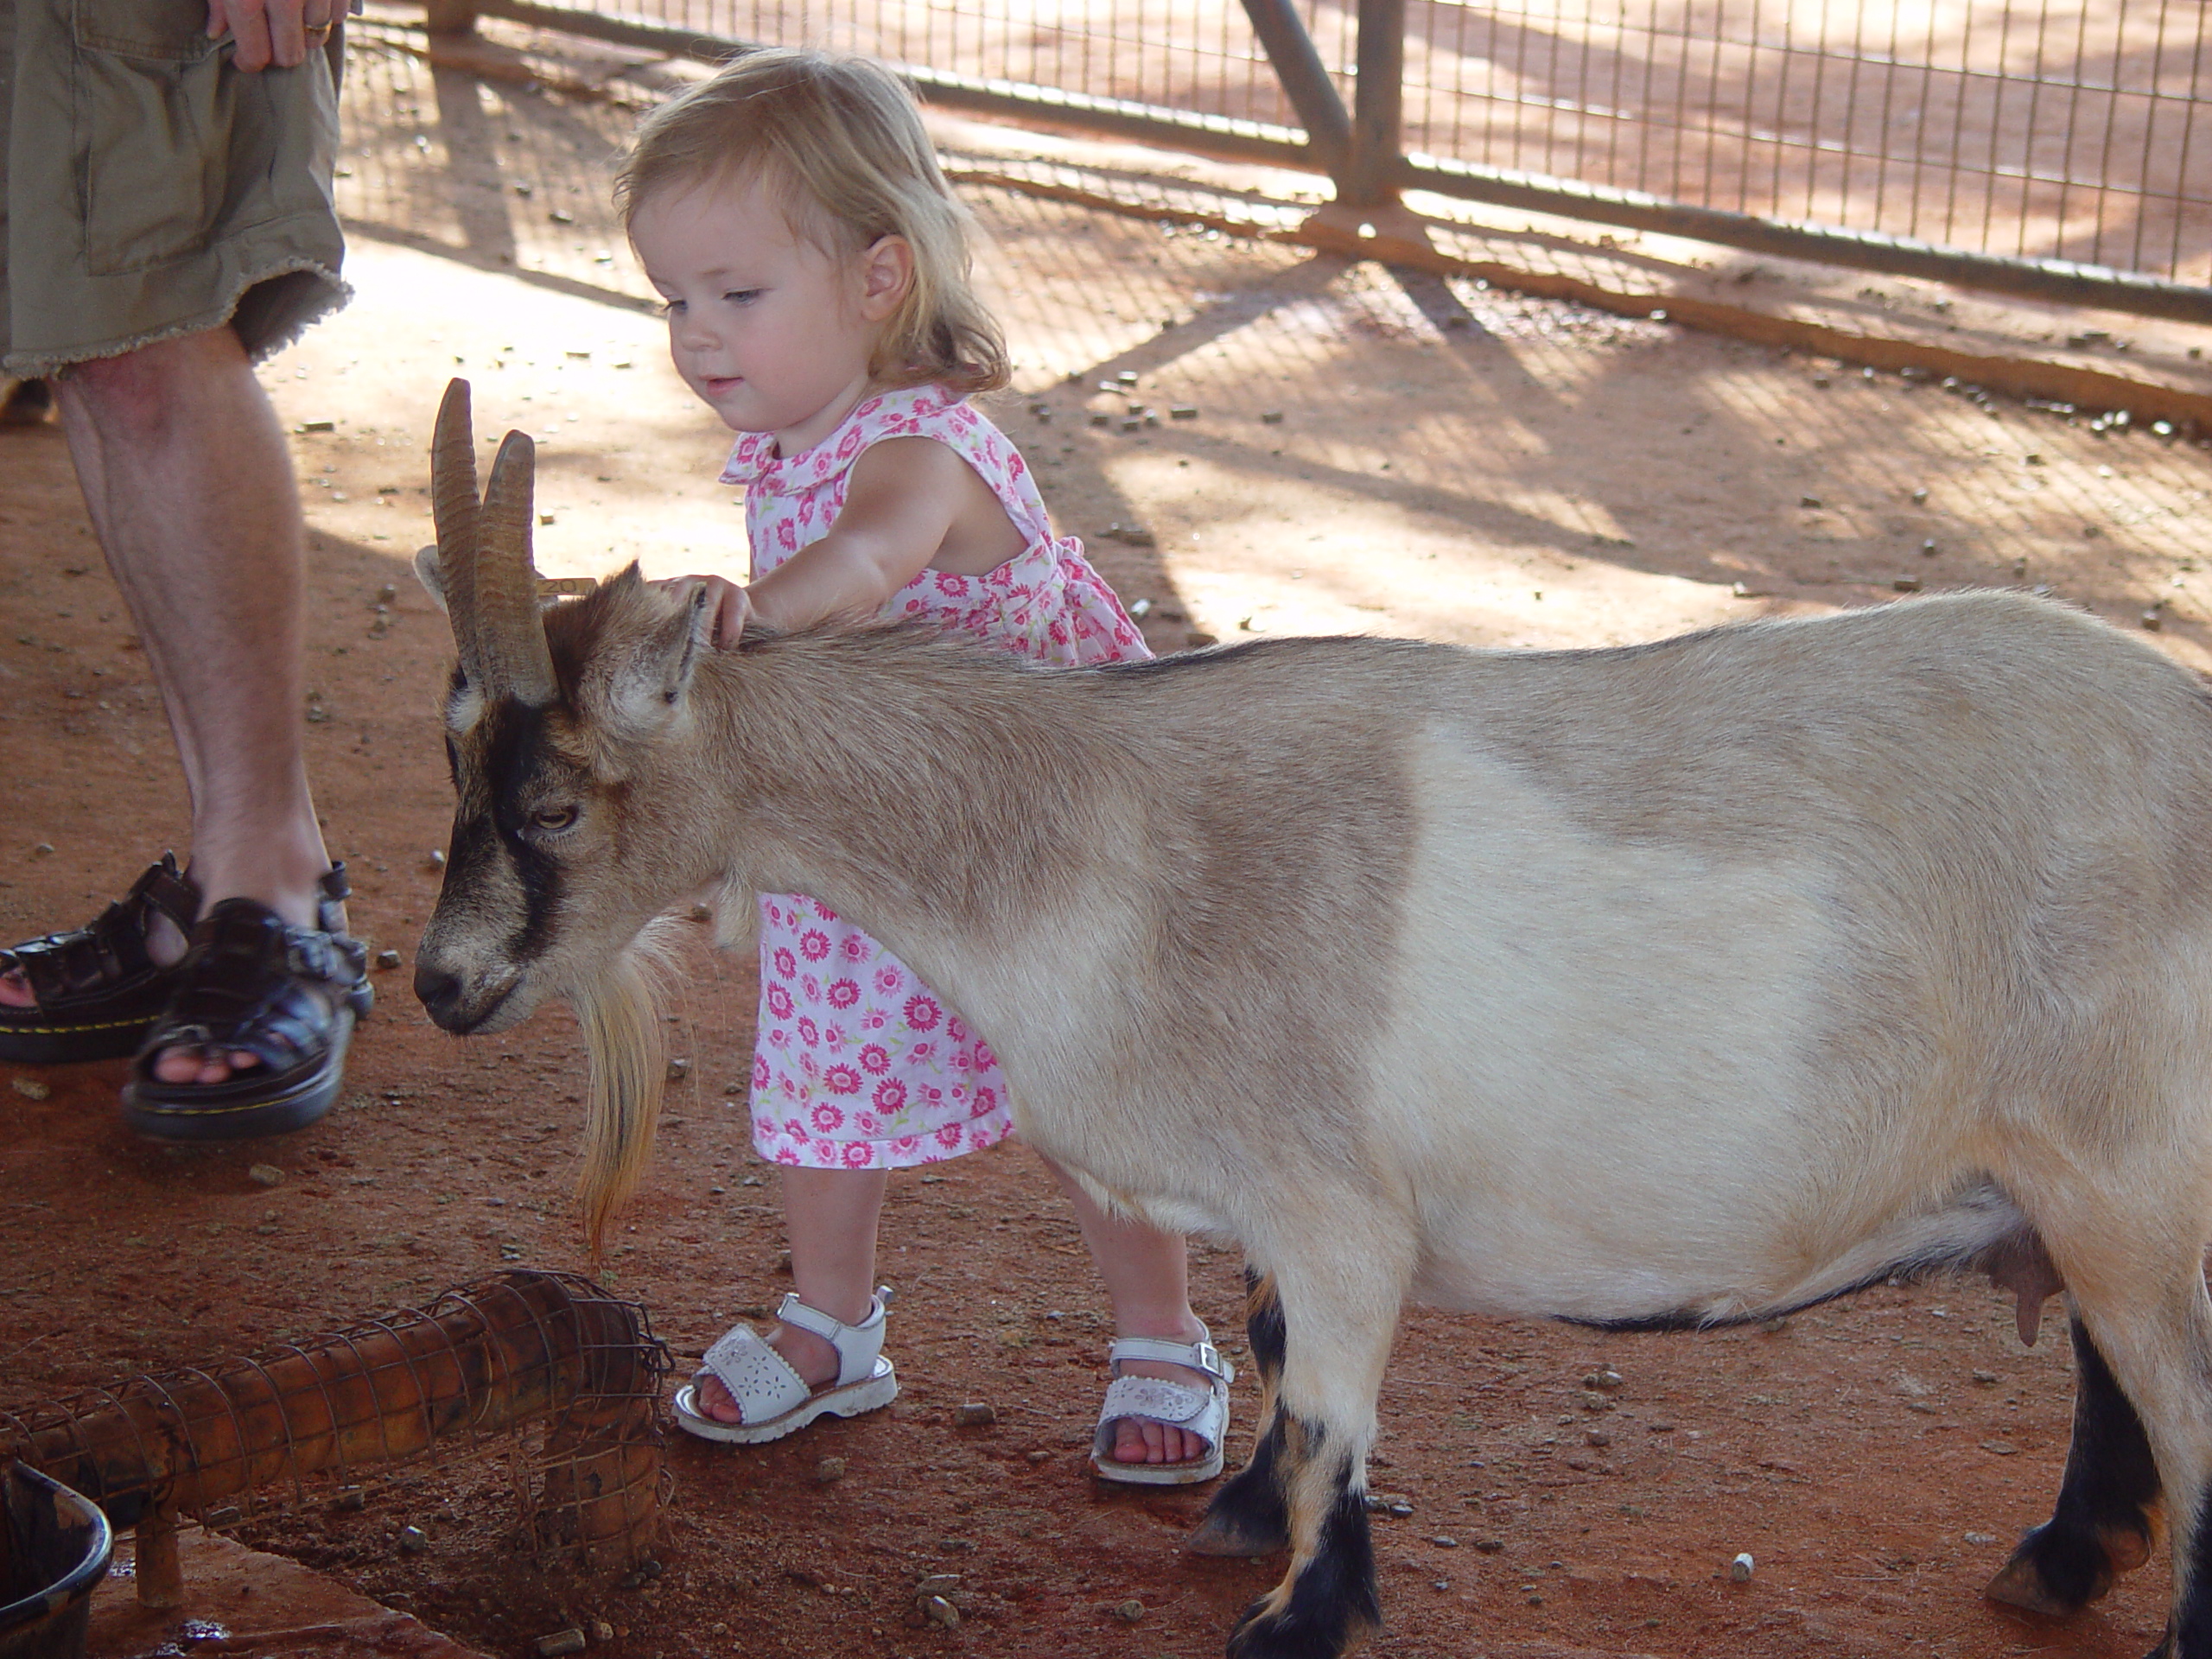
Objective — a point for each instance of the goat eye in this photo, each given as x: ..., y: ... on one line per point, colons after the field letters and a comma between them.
x: 554, y: 817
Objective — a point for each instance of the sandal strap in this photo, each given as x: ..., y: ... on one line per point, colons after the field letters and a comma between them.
x: 761, y: 1381
x: 1200, y: 1356
x: 255, y: 984
x: 109, y: 952
x: 857, y: 1345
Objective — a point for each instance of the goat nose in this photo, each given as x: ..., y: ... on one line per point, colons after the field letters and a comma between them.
x: 438, y: 991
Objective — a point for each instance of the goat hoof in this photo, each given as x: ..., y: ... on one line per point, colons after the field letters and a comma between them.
x: 1218, y: 1534
x: 2019, y: 1584
x: 2057, y: 1572
x: 1275, y: 1627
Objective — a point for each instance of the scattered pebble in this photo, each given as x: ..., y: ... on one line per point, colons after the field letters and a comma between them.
x: 1606, y: 1379
x: 1182, y: 412
x: 387, y: 958
x: 975, y: 1414
x: 1987, y: 1379
x: 1100, y: 417
x: 265, y: 1175
x: 1131, y: 535
x: 437, y: 859
x: 1271, y: 417
x: 1596, y: 1436
x: 601, y: 1631
x: 937, y: 1584
x: 413, y: 1540
x: 1040, y: 1456
x: 561, y: 1641
x: 31, y: 1088
x: 939, y: 1610
x: 678, y: 1069
x: 1919, y: 497
x: 44, y: 849
x: 1906, y: 584
x: 1808, y: 500
x: 829, y: 1469
x: 1128, y: 1611
x: 1739, y: 1570
x: 1445, y: 1540
x: 1490, y: 1546
x: 1982, y: 1537
x: 2153, y: 619
x: 1998, y: 1449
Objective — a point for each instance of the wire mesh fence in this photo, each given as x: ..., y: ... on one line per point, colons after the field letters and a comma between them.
x: 2067, y: 131
x: 544, y: 1363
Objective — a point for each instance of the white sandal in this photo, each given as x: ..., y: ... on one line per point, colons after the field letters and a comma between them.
x: 1203, y: 1412
x: 773, y: 1399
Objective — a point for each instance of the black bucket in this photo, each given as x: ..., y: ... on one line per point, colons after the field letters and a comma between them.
x: 53, y: 1551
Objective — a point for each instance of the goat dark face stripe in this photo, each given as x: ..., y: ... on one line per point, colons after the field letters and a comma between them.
x: 513, y: 737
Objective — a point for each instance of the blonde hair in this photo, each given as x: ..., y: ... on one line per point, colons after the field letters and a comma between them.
x: 840, y: 139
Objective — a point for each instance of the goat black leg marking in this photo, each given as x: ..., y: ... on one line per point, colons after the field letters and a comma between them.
x: 1330, y: 1601
x: 2188, y: 1635
x: 2100, y: 1527
x: 1249, y: 1514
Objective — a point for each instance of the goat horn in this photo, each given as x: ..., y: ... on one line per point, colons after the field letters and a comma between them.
x: 454, y: 506
x: 510, y: 633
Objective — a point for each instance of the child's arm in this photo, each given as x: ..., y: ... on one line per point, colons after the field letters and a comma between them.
x: 913, y: 503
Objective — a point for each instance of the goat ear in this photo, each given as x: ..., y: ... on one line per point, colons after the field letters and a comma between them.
x: 432, y: 575
x: 647, y: 690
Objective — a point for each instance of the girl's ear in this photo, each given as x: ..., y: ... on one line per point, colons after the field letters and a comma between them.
x: 887, y: 274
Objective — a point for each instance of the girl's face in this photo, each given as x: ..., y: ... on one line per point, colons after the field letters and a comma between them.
x: 774, y: 333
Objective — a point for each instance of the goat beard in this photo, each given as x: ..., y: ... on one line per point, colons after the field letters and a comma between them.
x: 620, y: 1016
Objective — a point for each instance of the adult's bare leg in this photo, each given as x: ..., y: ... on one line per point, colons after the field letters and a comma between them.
x: 190, y: 487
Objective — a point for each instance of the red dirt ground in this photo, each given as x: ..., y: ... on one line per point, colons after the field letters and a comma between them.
x: 1531, y: 475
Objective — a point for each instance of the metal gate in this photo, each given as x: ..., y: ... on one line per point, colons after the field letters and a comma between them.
x: 2042, y: 147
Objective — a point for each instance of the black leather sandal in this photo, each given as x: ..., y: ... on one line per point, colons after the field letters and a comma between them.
x: 97, y: 991
x: 253, y: 984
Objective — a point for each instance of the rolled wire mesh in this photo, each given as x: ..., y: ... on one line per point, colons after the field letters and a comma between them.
x: 2068, y: 130
x: 549, y: 1355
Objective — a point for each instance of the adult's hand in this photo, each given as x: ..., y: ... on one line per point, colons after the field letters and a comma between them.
x: 282, y: 32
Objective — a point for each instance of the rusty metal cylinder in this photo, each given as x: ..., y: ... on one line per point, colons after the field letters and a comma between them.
x: 521, y: 1348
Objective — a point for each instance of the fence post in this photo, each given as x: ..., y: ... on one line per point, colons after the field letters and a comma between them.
x: 1305, y: 81
x: 452, y: 17
x: 1370, y: 176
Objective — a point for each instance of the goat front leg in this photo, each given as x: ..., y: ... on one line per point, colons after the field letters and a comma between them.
x: 1337, y: 1319
x: 1250, y: 1515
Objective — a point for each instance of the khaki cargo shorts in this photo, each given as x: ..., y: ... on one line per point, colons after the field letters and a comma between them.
x: 149, y: 189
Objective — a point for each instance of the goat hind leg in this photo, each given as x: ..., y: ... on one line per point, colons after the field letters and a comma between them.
x: 2100, y: 1526
x: 2156, y: 1336
x: 1250, y: 1515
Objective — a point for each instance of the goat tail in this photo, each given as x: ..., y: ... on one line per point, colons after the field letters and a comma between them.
x: 620, y: 1014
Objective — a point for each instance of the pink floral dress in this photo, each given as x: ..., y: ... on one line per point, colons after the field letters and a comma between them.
x: 858, y: 1064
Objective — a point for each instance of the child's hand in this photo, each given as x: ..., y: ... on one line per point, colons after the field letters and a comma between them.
x: 731, y: 604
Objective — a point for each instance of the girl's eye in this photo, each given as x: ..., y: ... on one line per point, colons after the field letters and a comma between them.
x: 743, y: 296
x: 672, y: 307
x: 554, y: 817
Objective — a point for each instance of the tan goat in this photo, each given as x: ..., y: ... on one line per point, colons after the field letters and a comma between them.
x: 1667, y: 986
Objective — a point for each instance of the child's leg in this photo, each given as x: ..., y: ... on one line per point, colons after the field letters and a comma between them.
x: 830, y: 1217
x: 1146, y: 1277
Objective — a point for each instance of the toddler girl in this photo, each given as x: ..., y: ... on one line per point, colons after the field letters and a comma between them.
x: 815, y: 265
